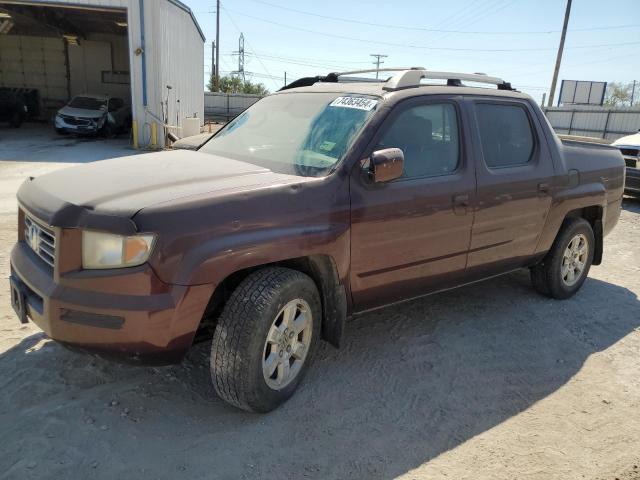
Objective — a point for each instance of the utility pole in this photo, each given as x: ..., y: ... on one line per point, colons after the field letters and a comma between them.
x: 217, y: 71
x: 377, y: 61
x: 285, y: 79
x: 213, y: 63
x: 559, y: 57
x: 633, y: 92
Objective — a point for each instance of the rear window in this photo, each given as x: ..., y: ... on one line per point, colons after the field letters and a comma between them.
x: 505, y: 134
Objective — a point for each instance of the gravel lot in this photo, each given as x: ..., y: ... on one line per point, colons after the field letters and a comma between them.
x: 487, y: 381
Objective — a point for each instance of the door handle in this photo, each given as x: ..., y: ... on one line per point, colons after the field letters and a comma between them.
x: 460, y: 204
x: 543, y: 188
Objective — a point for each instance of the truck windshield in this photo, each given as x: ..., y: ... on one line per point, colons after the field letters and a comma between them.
x: 295, y: 133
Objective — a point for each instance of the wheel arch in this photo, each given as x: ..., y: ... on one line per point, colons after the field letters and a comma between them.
x: 323, y: 271
x: 594, y: 215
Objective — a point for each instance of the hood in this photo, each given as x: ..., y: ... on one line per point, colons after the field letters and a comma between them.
x: 630, y: 140
x: 81, y: 112
x: 123, y: 186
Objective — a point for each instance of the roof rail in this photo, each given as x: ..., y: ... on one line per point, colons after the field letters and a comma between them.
x: 411, y: 78
x: 406, y: 78
x: 374, y: 70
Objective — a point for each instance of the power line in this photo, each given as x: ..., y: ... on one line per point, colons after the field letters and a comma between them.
x: 423, y: 47
x: 437, y: 30
x: 226, y: 11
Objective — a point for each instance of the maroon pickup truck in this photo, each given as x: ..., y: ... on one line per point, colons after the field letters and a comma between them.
x: 316, y: 204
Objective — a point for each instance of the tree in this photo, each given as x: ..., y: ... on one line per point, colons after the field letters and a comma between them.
x: 229, y: 84
x: 618, y: 94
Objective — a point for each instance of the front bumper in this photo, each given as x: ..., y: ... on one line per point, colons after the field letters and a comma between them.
x: 124, y: 313
x: 89, y: 127
x: 632, y: 181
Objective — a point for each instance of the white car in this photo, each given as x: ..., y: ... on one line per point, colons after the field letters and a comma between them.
x: 630, y: 148
x: 90, y: 114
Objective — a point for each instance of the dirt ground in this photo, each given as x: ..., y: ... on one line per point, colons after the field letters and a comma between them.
x: 490, y: 381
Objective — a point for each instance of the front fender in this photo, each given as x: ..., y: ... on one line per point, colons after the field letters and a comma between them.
x: 217, y: 258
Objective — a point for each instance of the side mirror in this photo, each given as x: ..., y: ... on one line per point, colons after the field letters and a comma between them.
x: 386, y: 165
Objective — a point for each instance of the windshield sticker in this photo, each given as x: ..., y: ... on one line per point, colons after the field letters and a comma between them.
x: 361, y: 103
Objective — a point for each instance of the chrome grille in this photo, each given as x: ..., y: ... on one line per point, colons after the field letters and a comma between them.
x: 41, y: 240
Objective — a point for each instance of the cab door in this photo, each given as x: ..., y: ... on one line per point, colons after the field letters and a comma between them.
x: 411, y: 236
x: 515, y: 179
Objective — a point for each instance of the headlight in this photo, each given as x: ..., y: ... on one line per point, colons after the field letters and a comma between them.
x: 100, y: 121
x: 105, y: 250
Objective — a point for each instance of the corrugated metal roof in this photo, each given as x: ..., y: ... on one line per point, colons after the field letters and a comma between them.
x: 181, y: 5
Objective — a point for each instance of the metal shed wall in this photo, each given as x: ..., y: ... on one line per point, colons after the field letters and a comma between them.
x: 176, y: 58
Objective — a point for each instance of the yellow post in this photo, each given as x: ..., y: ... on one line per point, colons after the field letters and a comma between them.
x: 134, y: 132
x: 154, y: 135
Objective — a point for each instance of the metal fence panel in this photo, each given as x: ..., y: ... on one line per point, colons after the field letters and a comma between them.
x: 598, y: 122
x: 225, y: 106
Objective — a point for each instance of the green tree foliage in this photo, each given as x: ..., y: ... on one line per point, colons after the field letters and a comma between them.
x: 230, y: 84
x: 619, y: 94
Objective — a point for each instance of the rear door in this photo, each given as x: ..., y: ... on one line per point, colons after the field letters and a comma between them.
x: 411, y: 236
x: 515, y: 174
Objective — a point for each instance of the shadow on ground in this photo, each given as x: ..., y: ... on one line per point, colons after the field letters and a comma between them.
x: 412, y: 382
x: 35, y: 142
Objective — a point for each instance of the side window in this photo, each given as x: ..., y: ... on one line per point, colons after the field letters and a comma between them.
x: 428, y: 136
x: 505, y: 135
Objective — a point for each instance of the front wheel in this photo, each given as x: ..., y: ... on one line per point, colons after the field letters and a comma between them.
x: 565, y: 268
x: 265, y: 339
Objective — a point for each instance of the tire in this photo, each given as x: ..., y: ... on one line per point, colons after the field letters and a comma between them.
x: 108, y: 131
x: 241, y: 348
x: 554, y: 280
x: 16, y: 120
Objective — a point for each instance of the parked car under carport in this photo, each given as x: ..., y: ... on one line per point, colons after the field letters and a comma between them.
x: 91, y: 114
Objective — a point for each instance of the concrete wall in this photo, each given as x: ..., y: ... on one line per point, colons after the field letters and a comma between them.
x: 88, y: 60
x: 34, y: 62
x: 40, y: 63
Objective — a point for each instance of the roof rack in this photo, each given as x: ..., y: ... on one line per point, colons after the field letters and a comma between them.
x: 411, y: 78
x: 407, y: 78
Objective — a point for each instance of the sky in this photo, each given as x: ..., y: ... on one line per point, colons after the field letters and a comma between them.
x: 516, y: 40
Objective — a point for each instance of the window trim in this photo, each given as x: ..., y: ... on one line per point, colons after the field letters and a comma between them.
x: 532, y: 128
x: 413, y: 102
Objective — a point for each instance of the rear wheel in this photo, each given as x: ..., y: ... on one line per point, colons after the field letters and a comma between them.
x: 265, y: 339
x: 566, y: 266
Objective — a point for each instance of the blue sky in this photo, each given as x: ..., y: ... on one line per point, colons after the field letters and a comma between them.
x: 513, y: 39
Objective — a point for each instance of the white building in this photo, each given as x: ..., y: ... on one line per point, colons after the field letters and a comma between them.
x: 132, y: 49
